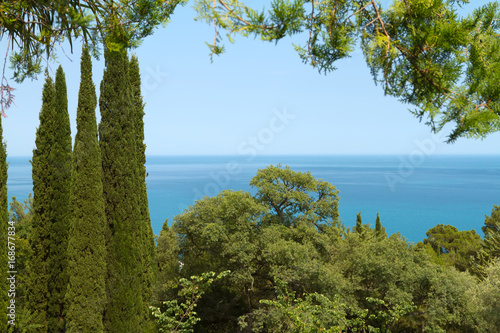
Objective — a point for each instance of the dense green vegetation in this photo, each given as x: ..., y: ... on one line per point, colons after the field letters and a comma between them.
x: 86, y: 294
x: 277, y: 261
x: 39, y: 238
x: 52, y: 171
x: 441, y: 56
x: 4, y: 219
x: 295, y: 268
x: 60, y: 166
x: 87, y: 256
x: 125, y: 309
x: 146, y: 230
x: 231, y: 263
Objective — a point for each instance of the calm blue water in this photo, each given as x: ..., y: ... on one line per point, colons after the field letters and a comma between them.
x: 411, y: 195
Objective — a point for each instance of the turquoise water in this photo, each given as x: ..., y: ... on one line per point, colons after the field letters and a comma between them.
x: 412, y: 193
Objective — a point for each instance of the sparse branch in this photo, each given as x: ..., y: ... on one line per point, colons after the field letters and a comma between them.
x: 311, y: 31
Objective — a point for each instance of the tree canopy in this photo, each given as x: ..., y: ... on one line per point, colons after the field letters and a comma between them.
x: 34, y: 29
x: 427, y: 54
x: 439, y: 57
x: 290, y: 275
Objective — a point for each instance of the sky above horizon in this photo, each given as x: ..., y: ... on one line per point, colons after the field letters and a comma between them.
x: 257, y: 98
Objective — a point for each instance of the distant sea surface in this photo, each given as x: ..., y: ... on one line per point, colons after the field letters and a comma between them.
x: 412, y: 193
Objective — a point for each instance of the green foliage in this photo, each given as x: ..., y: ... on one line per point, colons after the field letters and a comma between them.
x: 453, y: 247
x: 219, y: 234
x: 85, y: 297
x: 309, y: 313
x: 422, y: 52
x: 37, y: 27
x: 295, y: 197
x: 21, y: 213
x: 60, y: 182
x: 491, y: 231
x: 168, y: 265
x: 124, y: 309
x: 39, y: 241
x: 449, y: 300
x: 379, y: 229
x: 148, y: 246
x: 358, y: 228
x: 291, y: 275
x: 486, y: 299
x: 259, y: 239
x: 182, y: 317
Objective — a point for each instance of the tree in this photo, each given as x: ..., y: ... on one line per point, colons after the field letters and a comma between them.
x: 491, y: 231
x: 86, y: 295
x: 486, y: 299
x: 148, y: 250
x: 181, y: 318
x: 295, y: 197
x: 358, y: 228
x: 286, y: 232
x: 60, y: 159
x: 453, y: 247
x: 7, y: 230
x: 423, y: 53
x: 124, y: 309
x: 168, y: 265
x: 310, y: 313
x: 219, y: 234
x: 33, y: 29
x: 379, y: 230
x: 38, y: 292
x: 37, y: 27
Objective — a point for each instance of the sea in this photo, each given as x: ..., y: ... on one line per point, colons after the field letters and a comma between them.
x: 412, y: 193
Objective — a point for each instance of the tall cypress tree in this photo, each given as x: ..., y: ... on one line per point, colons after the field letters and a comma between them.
x: 61, y: 170
x: 491, y: 231
x: 38, y: 273
x: 149, y: 251
x: 378, y: 224
x: 124, y: 309
x: 4, y: 219
x: 86, y: 295
x: 359, y: 224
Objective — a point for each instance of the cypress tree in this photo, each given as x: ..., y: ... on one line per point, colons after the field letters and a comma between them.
x: 378, y: 225
x: 39, y: 241
x: 124, y: 309
x: 491, y: 231
x: 86, y: 294
x: 359, y: 224
x: 5, y: 232
x: 61, y: 170
x: 379, y: 229
x: 149, y: 251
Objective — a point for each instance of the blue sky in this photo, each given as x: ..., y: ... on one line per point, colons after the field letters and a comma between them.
x: 257, y: 97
